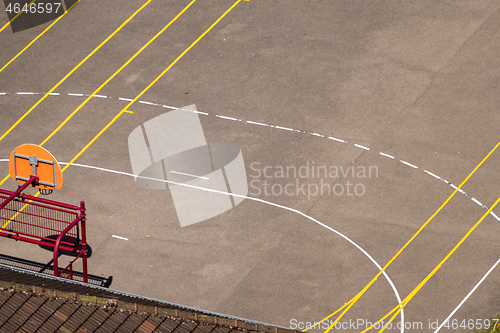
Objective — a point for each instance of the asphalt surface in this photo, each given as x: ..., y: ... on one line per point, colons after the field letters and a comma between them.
x: 407, y: 90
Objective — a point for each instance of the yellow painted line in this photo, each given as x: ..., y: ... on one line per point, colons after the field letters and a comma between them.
x: 128, y: 111
x: 150, y: 85
x: 358, y: 296
x: 408, y: 298
x: 73, y: 70
x: 15, y: 17
x: 98, y: 89
x: 40, y: 35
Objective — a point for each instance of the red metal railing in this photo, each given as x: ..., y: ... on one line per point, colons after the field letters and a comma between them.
x: 47, y: 223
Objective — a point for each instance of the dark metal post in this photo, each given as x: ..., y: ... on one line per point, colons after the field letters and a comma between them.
x: 83, y: 219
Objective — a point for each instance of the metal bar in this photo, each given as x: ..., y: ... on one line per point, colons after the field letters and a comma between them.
x: 48, y: 241
x: 45, y: 201
x: 58, y: 244
x: 83, y: 219
x: 38, y: 242
x: 32, y: 180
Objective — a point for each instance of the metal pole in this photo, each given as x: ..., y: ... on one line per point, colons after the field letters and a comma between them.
x: 32, y: 180
x: 83, y: 219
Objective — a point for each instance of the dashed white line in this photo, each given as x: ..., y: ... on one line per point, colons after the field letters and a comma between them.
x: 228, y: 118
x: 199, y: 112
x: 147, y: 103
x: 387, y: 155
x: 284, y: 128
x: 362, y: 147
x: 477, y: 201
x: 256, y: 123
x: 431, y: 174
x: 336, y: 139
x: 120, y: 237
x: 409, y: 164
x: 266, y: 125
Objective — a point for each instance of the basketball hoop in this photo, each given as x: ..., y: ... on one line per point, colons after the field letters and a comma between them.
x: 44, y: 191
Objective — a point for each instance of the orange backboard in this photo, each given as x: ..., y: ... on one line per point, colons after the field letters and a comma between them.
x: 29, y: 159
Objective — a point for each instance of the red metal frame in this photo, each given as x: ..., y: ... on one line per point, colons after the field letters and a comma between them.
x: 34, y: 220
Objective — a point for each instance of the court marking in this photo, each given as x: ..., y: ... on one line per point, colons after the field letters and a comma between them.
x: 15, y: 17
x: 151, y: 84
x: 40, y: 35
x: 120, y: 237
x: 408, y: 298
x: 389, y: 280
x: 353, y: 301
x: 477, y: 202
x: 468, y: 295
x: 105, y: 83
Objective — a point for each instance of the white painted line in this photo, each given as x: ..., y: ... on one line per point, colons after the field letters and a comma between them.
x: 190, y: 175
x: 362, y: 147
x: 431, y: 174
x: 148, y: 103
x: 199, y: 112
x: 477, y: 201
x: 453, y: 186
x: 228, y: 118
x: 468, y: 295
x: 100, y: 96
x: 339, y: 140
x: 168, y: 107
x: 256, y: 123
x: 71, y: 94
x: 125, y: 99
x: 316, y: 134
x: 387, y: 155
x: 119, y: 237
x: 54, y: 94
x: 284, y: 128
x: 495, y: 215
x: 3, y: 94
x: 409, y: 164
x: 298, y: 212
x: 26, y: 93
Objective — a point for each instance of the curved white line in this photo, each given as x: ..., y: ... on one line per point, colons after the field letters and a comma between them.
x: 468, y: 295
x: 277, y: 127
x: 261, y: 201
x: 267, y: 203
x: 273, y: 204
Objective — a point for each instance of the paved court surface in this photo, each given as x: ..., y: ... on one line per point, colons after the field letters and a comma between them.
x: 406, y: 90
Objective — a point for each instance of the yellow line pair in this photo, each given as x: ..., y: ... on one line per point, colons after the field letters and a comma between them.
x: 125, y: 109
x: 403, y: 303
x: 72, y: 71
x: 353, y: 301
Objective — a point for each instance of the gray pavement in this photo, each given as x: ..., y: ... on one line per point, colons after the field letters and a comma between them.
x: 410, y: 89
